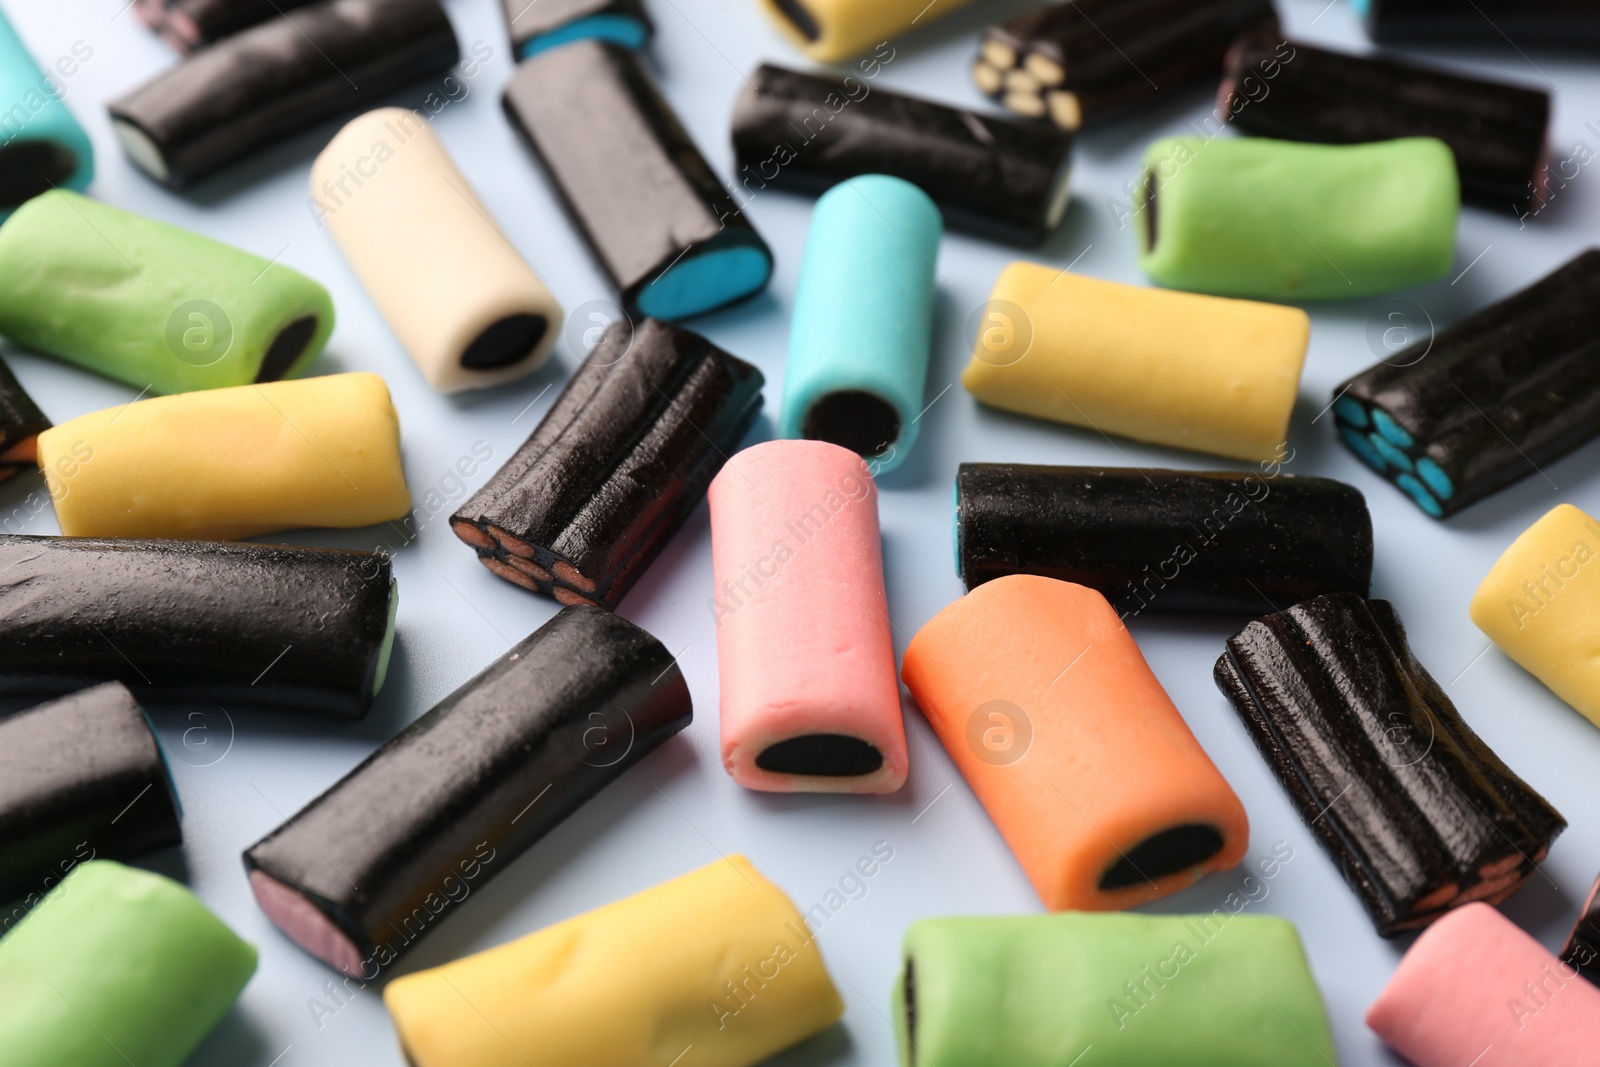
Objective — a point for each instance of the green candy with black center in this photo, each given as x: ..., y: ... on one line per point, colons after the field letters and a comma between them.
x: 152, y: 305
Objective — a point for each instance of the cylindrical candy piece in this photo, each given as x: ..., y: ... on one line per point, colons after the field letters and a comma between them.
x: 462, y: 300
x: 728, y: 977
x: 655, y: 214
x: 536, y: 27
x: 231, y: 463
x: 21, y: 423
x: 863, y: 319
x: 43, y: 146
x: 117, y: 966
x: 1000, y: 178
x: 1165, y: 540
x: 1541, y: 604
x: 188, y: 24
x: 810, y: 702
x: 1059, y: 726
x: 1419, y: 814
x: 616, y: 465
x: 1169, y: 368
x: 366, y: 868
x: 831, y: 30
x: 1581, y: 952
x: 1474, y: 989
x: 1283, y: 220
x: 1564, y: 24
x: 266, y: 625
x: 1217, y: 990
x: 276, y: 79
x: 158, y: 307
x: 80, y: 777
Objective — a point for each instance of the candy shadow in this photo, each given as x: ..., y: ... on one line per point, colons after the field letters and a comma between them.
x: 1543, y: 909
x: 542, y: 384
x: 170, y: 862
x: 238, y: 1038
x: 833, y: 1045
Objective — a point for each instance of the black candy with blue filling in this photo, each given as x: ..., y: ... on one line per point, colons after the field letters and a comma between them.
x: 538, y: 25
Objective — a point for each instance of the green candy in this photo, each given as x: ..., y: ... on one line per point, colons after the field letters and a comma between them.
x: 116, y: 966
x: 1281, y: 220
x: 1218, y: 990
x: 150, y: 304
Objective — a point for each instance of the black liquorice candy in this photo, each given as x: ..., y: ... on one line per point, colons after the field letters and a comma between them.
x: 1419, y: 814
x: 1457, y: 417
x: 1074, y: 63
x: 807, y: 132
x: 188, y: 24
x: 1164, y: 540
x: 660, y: 223
x: 1565, y: 23
x: 368, y: 867
x: 81, y: 778
x: 616, y: 465
x: 1497, y: 131
x: 239, y: 623
x: 1582, y: 949
x: 276, y: 79
x: 21, y: 423
x: 538, y: 26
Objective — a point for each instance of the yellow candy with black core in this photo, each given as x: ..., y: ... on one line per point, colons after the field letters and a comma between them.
x: 713, y: 969
x: 831, y: 30
x: 225, y: 464
x: 1179, y: 369
x: 1541, y: 605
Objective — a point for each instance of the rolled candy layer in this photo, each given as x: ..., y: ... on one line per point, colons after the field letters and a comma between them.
x: 1077, y: 63
x: 1165, y: 540
x: 188, y: 24
x: 730, y: 978
x: 616, y: 465
x: 1169, y: 368
x: 230, y: 463
x: 1496, y: 131
x: 276, y: 79
x: 999, y: 178
x: 21, y: 423
x: 655, y: 214
x: 831, y: 30
x: 1055, y: 720
x: 158, y: 307
x: 1215, y: 990
x: 552, y: 23
x: 266, y: 625
x: 1541, y: 604
x: 42, y: 147
x: 1282, y: 220
x: 1459, y: 416
x: 80, y: 776
x: 462, y: 300
x: 1476, y: 989
x: 1582, y: 949
x: 863, y: 319
x: 1419, y: 814
x: 810, y: 702
x: 117, y: 966
x: 365, y: 869
x: 1564, y: 23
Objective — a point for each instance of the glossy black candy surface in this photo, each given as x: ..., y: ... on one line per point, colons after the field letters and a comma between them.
x: 480, y: 778
x: 1582, y: 948
x: 1419, y: 814
x: 1564, y: 23
x: 239, y: 623
x: 21, y: 423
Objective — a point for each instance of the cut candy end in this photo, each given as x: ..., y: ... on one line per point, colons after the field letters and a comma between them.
x: 1169, y: 852
x: 618, y: 29
x: 703, y: 282
x: 1389, y: 452
x: 821, y: 755
x: 1351, y: 411
x: 144, y: 152
x: 1390, y: 429
x: 863, y: 422
x: 1435, y: 477
x: 304, y: 924
x: 28, y: 168
x: 1418, y: 492
x: 1358, y: 443
x: 387, y: 647
x: 505, y: 341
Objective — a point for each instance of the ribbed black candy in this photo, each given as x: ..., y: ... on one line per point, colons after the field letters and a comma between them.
x: 21, y: 423
x: 1457, y: 417
x: 81, y: 778
x: 1502, y: 23
x: 807, y: 132
x: 1162, y: 540
x: 614, y: 468
x: 1420, y: 814
x: 239, y: 623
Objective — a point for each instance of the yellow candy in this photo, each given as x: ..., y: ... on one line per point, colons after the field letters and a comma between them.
x: 713, y: 969
x: 1179, y: 369
x: 1541, y: 605
x: 230, y: 463
x: 831, y: 30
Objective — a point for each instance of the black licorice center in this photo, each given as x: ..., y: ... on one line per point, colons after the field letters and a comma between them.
x: 28, y: 168
x: 286, y: 348
x: 1150, y: 210
x: 505, y: 341
x: 1168, y: 852
x: 911, y: 1004
x: 821, y: 755
x: 864, y: 423
x: 795, y: 12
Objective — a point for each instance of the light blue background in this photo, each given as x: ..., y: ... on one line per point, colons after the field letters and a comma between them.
x: 240, y: 775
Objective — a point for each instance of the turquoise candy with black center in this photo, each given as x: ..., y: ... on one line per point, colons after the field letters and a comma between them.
x: 41, y: 145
